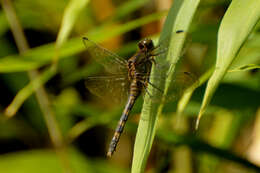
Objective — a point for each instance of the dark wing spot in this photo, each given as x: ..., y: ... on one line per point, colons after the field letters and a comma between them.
x: 179, y: 31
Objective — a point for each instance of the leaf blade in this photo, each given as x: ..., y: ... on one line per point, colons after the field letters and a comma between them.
x: 179, y: 18
x: 238, y: 22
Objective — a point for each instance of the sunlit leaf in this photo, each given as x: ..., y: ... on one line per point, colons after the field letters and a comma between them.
x: 238, y: 22
x: 179, y: 18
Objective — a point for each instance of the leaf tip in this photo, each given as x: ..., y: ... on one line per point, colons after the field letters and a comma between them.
x: 198, y: 120
x: 9, y: 112
x: 197, y: 123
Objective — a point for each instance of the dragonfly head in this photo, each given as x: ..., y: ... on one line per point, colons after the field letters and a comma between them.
x: 146, y: 45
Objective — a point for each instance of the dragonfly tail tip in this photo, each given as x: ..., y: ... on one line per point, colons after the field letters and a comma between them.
x: 109, y: 154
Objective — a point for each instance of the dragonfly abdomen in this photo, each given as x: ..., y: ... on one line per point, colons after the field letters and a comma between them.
x: 134, y: 93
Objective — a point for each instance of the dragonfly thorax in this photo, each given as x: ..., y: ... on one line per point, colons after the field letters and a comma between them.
x: 140, y: 64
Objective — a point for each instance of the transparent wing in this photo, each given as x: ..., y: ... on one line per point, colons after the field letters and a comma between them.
x: 160, y: 51
x: 177, y: 86
x: 113, y: 88
x: 111, y: 61
x: 180, y: 83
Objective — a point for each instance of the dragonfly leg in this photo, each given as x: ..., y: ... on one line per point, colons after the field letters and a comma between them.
x: 153, y: 60
x: 84, y: 39
x: 146, y: 90
x: 155, y: 87
x: 159, y: 53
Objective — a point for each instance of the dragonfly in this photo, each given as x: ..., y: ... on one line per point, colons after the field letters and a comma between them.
x: 126, y: 79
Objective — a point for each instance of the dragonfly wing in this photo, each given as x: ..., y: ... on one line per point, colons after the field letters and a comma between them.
x: 113, y: 88
x: 111, y: 61
x: 161, y: 50
x: 177, y: 86
x: 181, y: 82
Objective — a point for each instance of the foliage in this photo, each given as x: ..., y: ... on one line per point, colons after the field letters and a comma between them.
x: 49, y: 121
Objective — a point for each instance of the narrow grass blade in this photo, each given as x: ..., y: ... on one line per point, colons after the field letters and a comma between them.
x: 70, y: 15
x: 46, y: 51
x: 179, y: 18
x: 184, y: 100
x: 238, y: 22
x: 245, y: 68
x: 24, y: 93
x: 128, y: 7
x: 37, y: 57
x: 3, y: 24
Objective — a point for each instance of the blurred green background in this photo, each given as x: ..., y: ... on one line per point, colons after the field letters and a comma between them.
x: 64, y: 128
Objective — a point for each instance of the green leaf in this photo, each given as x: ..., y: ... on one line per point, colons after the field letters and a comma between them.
x: 42, y: 161
x: 24, y: 93
x: 128, y: 7
x: 245, y: 68
x: 238, y: 22
x: 70, y: 15
x: 179, y: 18
x: 37, y: 57
x: 69, y: 18
x: 31, y: 161
x: 184, y: 100
x: 4, y: 26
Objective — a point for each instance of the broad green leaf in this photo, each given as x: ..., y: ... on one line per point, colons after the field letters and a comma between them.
x: 238, y: 22
x: 247, y: 56
x: 179, y: 18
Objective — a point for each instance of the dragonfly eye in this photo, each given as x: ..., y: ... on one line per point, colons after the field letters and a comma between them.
x: 141, y: 45
x: 146, y: 44
x: 150, y: 45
